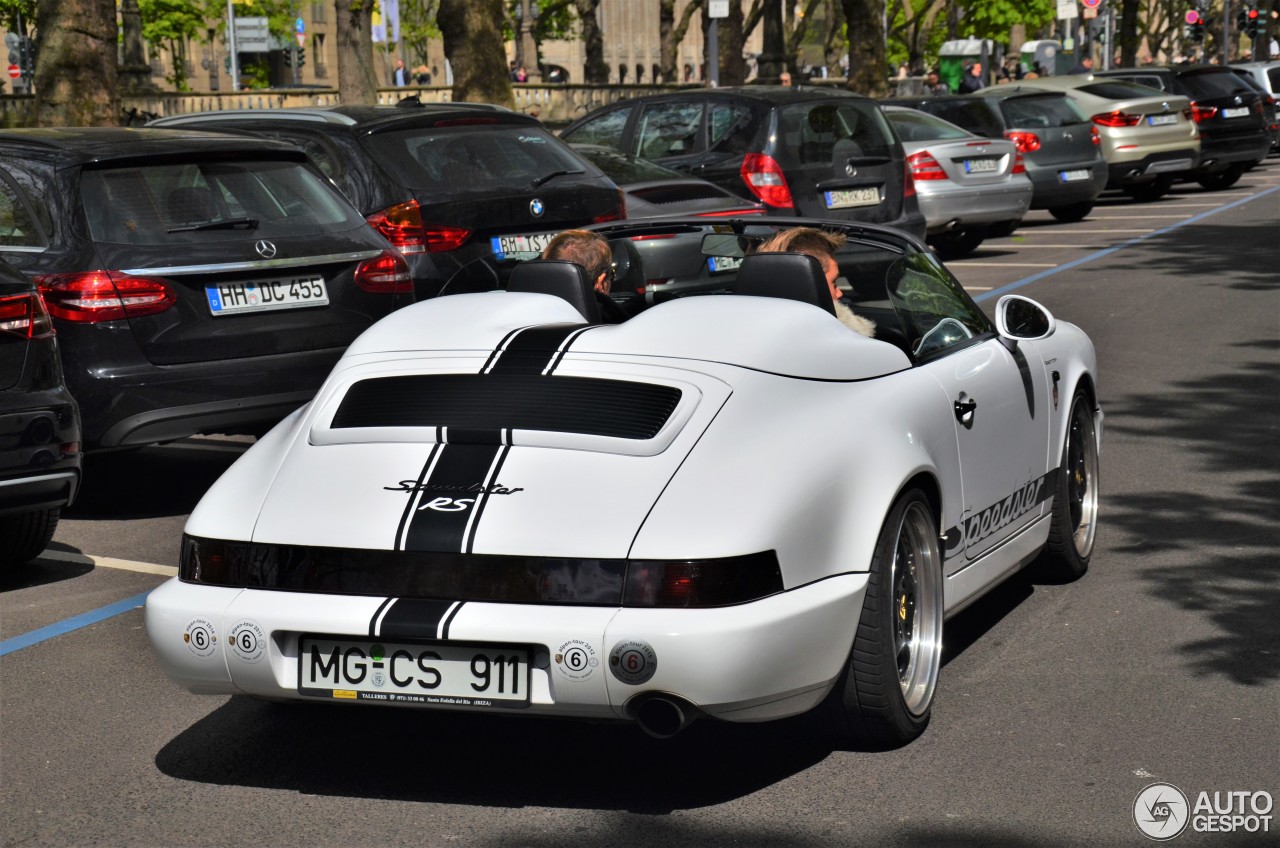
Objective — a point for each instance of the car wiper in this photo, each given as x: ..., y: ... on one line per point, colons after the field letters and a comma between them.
x: 551, y: 176
x: 228, y: 224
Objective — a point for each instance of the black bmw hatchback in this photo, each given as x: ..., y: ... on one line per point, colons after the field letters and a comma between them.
x: 198, y: 282
x: 39, y: 425
x: 445, y: 183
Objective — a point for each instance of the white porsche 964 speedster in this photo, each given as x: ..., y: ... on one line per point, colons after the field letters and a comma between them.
x: 728, y: 505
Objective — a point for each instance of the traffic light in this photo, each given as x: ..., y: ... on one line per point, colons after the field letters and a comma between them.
x: 302, y: 57
x: 288, y: 58
x: 26, y: 56
x: 1195, y: 31
x: 1251, y: 24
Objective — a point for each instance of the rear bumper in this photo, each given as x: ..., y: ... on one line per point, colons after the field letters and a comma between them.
x: 1152, y: 166
x: 1051, y: 190
x: 40, y: 454
x: 1219, y: 153
x: 965, y: 205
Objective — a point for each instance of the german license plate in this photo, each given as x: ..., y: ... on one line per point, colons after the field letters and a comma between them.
x: 981, y: 166
x: 1072, y: 176
x: 436, y: 675
x: 845, y: 198
x: 1235, y: 113
x: 526, y: 246
x: 1161, y: 120
x: 267, y: 295
x: 720, y: 264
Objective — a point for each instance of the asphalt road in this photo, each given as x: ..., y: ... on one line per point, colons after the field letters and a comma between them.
x: 1058, y: 704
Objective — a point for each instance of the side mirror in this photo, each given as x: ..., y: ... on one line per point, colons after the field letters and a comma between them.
x: 1022, y: 319
x: 721, y: 244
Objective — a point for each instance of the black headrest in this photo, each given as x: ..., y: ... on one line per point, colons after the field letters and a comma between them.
x: 793, y: 276
x: 562, y: 279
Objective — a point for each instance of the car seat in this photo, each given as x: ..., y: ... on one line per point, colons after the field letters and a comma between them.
x: 792, y: 276
x: 564, y: 280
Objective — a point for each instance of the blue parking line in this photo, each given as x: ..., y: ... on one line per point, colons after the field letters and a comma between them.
x: 1025, y: 281
x: 35, y: 637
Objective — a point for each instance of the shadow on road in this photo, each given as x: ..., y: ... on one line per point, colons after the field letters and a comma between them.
x: 151, y: 482
x: 42, y: 572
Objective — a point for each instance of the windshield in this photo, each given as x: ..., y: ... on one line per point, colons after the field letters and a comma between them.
x: 625, y: 170
x: 918, y: 126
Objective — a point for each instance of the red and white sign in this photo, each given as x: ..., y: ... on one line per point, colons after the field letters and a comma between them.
x: 1091, y: 4
x: 1192, y: 17
x: 14, y: 72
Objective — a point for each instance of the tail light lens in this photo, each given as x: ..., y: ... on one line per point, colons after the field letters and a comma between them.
x: 402, y: 225
x: 385, y: 274
x: 1116, y: 119
x: 1095, y: 136
x: 616, y: 214
x: 730, y: 213
x: 924, y: 167
x: 1026, y: 142
x: 765, y: 179
x: 908, y: 181
x: 24, y: 315
x: 96, y: 296
x: 702, y: 583
x: 1202, y: 113
x: 1019, y: 164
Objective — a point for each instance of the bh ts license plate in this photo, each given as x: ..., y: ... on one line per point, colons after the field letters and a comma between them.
x: 267, y: 295
x: 981, y: 166
x: 439, y: 674
x: 1072, y: 176
x: 1235, y: 113
x: 520, y: 247
x: 849, y: 197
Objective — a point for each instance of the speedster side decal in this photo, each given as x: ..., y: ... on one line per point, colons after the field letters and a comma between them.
x: 983, y: 523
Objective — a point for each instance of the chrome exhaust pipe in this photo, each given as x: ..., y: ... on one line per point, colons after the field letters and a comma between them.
x: 664, y: 716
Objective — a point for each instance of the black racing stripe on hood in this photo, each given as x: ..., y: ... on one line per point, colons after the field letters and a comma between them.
x: 417, y: 618
x: 450, y: 499
x: 533, y: 350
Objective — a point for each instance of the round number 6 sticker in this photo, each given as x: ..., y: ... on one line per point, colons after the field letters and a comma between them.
x: 633, y: 662
x: 247, y: 641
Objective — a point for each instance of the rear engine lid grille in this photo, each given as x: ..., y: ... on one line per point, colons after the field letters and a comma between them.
x: 677, y: 193
x: 478, y: 408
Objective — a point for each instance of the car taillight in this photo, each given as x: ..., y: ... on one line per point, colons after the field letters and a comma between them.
x: 702, y: 583
x: 95, y: 296
x: 730, y: 213
x: 924, y: 167
x: 24, y: 316
x: 385, y: 274
x: 908, y: 181
x: 765, y: 179
x: 1095, y: 136
x: 1202, y: 113
x: 1019, y: 164
x: 402, y: 225
x: 1116, y: 119
x: 1026, y: 142
x: 615, y: 214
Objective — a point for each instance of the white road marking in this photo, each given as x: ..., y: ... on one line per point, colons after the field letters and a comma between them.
x: 1099, y: 232
x: 964, y: 264
x: 1129, y: 217
x: 111, y: 562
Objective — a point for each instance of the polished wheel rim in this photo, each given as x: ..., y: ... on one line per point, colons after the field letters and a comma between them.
x: 917, y: 608
x: 1082, y: 480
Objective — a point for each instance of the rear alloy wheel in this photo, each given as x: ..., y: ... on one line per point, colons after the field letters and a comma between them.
x: 883, y: 697
x: 24, y: 536
x: 1222, y: 179
x: 1074, y: 523
x: 1152, y: 190
x: 1072, y: 212
x: 958, y: 242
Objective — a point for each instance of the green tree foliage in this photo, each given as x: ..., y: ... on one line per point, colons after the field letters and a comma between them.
x: 917, y: 28
x: 9, y: 11
x: 418, y: 27
x: 170, y: 24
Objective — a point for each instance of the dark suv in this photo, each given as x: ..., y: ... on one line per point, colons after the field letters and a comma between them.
x: 39, y: 426
x: 199, y: 282
x: 1229, y: 112
x: 1060, y: 146
x: 445, y: 183
x: 811, y: 152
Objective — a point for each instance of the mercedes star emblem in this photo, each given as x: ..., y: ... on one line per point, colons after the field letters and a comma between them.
x: 265, y: 249
x: 536, y: 207
x: 850, y: 170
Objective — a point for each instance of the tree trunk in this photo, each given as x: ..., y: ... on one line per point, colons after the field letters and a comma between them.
x: 356, y: 81
x: 672, y: 35
x: 75, y: 76
x: 472, y: 31
x: 733, y: 68
x: 595, y: 70
x: 867, y: 71
x: 1128, y: 36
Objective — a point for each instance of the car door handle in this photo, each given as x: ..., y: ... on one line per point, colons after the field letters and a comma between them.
x: 964, y: 411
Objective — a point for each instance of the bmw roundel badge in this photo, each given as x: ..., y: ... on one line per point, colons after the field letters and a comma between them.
x: 536, y: 207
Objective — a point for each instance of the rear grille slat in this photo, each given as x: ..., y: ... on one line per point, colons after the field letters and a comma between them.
x: 486, y: 402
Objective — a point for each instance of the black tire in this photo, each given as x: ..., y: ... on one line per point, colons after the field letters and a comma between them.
x: 958, y: 243
x: 884, y: 695
x: 1222, y: 179
x: 1072, y: 212
x: 1002, y: 229
x: 1074, y: 524
x: 24, y: 536
x: 1152, y: 190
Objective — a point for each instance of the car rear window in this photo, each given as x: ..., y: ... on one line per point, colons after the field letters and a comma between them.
x: 485, y: 157
x: 973, y: 115
x: 624, y: 170
x: 1119, y: 89
x: 812, y: 133
x: 1153, y: 80
x: 184, y: 202
x: 1214, y: 84
x: 1040, y: 111
x: 917, y: 126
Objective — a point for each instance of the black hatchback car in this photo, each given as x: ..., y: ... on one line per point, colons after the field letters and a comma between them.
x: 818, y: 153
x: 199, y: 282
x: 1228, y: 111
x: 39, y: 425
x: 1060, y: 146
x: 445, y: 183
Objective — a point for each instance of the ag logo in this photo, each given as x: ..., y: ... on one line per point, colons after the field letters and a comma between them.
x: 448, y: 504
x: 248, y: 641
x: 1160, y: 811
x: 576, y: 659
